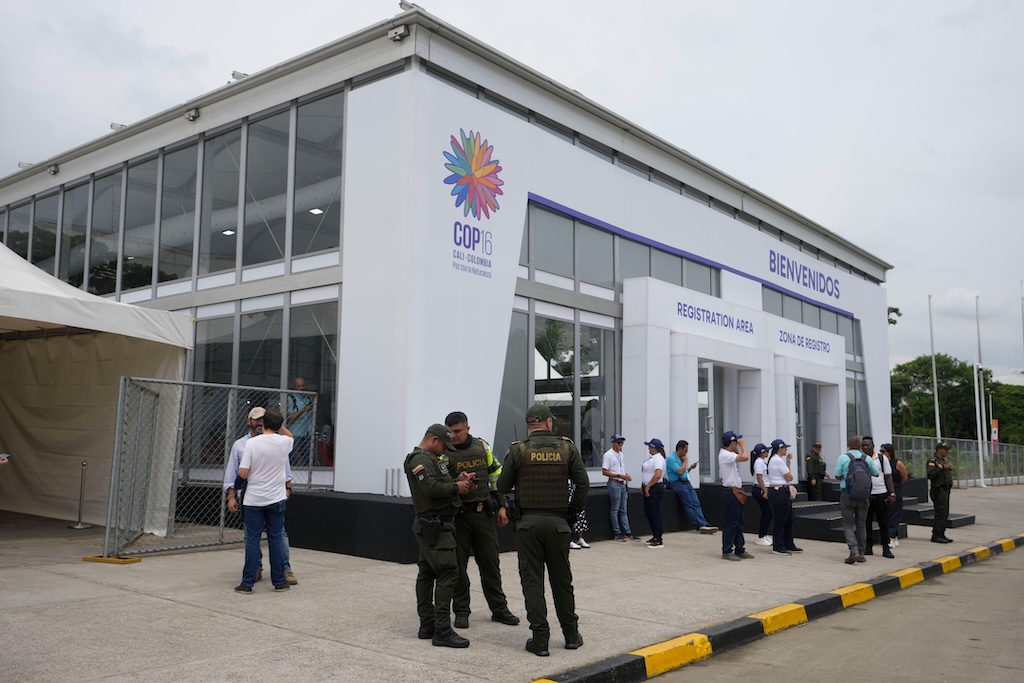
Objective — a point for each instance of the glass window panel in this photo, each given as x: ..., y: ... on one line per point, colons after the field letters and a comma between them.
x: 73, y: 235
x: 139, y: 216
x: 551, y: 237
x: 597, y: 361
x: 524, y: 246
x: 812, y: 315
x: 103, y: 237
x: 667, y: 267
x: 857, y: 346
x: 699, y: 277
x: 792, y: 308
x: 218, y: 218
x: 553, y: 373
x: 18, y: 230
x: 863, y: 414
x: 829, y: 321
x: 259, y: 354
x: 178, y: 213
x: 846, y: 329
x: 771, y: 301
x: 316, y: 224
x: 851, y: 407
x: 313, y: 355
x: 44, y: 233
x: 214, y: 350
x: 634, y: 259
x: 596, y: 256
x: 3, y: 225
x: 515, y: 390
x: 266, y: 185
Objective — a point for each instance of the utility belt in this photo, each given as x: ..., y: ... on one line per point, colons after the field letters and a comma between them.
x: 616, y: 482
x: 942, y: 486
x: 489, y: 507
x: 438, y: 518
x: 431, y: 526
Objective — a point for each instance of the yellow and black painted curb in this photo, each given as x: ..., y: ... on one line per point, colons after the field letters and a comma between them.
x: 648, y: 662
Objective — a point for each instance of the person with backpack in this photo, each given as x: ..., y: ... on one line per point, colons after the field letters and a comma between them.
x: 854, y: 473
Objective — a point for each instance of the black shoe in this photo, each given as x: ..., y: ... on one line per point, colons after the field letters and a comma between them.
x: 946, y: 538
x: 426, y: 631
x: 939, y: 539
x: 537, y: 648
x: 461, y: 621
x: 794, y: 549
x: 242, y: 588
x: 870, y: 550
x: 887, y: 553
x: 448, y: 638
x: 506, y: 617
x: 282, y: 587
x: 574, y: 643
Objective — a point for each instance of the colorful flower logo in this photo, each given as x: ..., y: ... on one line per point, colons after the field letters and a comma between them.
x: 474, y: 176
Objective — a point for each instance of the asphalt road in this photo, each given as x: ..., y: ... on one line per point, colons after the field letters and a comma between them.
x: 963, y: 626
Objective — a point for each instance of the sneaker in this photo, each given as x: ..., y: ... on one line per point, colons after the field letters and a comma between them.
x: 894, y: 543
x: 708, y: 529
x: 781, y: 552
x: 461, y: 621
x: 851, y: 559
x: 860, y: 558
x: 281, y: 587
x: 794, y: 549
x: 289, y: 576
x: 771, y: 539
x: 620, y: 537
x: 730, y: 557
x: 653, y: 543
x: 505, y: 617
x: 573, y: 545
x: 745, y: 555
x: 259, y: 573
x: 537, y: 648
x: 583, y: 543
x: 637, y: 538
x: 242, y: 588
x: 448, y: 638
x: 763, y: 540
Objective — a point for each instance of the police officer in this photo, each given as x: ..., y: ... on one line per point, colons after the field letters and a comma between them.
x: 436, y: 501
x: 940, y: 474
x: 815, y: 466
x: 474, y: 528
x: 540, y: 468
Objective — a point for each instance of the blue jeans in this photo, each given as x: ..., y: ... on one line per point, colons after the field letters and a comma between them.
x: 732, y: 528
x: 688, y: 497
x: 652, y: 509
x: 618, y: 496
x: 287, y: 547
x: 256, y: 518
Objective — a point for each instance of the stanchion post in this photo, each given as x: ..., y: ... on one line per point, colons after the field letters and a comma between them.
x: 81, y: 501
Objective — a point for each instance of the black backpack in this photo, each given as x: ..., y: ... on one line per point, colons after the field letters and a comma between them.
x: 858, y: 478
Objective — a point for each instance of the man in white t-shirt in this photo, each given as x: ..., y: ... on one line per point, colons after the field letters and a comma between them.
x: 264, y: 466
x: 733, y: 452
x: 613, y: 466
x: 883, y: 494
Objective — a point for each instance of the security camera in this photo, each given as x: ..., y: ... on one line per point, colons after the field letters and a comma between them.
x: 397, y: 33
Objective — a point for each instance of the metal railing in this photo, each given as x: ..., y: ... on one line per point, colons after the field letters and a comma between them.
x: 1003, y: 464
x: 171, y: 449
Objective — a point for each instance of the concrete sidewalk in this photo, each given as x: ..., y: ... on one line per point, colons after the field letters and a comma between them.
x: 176, y: 618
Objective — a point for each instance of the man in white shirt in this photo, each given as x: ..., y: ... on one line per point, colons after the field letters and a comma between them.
x: 733, y: 452
x: 613, y: 466
x: 264, y: 466
x: 883, y: 494
x: 235, y: 485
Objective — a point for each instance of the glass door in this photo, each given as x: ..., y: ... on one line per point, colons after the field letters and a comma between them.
x: 707, y: 422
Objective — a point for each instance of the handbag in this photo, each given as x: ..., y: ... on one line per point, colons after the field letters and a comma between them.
x: 741, y: 495
x: 792, y: 492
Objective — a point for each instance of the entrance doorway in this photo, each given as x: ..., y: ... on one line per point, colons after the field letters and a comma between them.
x: 808, y: 420
x: 710, y: 379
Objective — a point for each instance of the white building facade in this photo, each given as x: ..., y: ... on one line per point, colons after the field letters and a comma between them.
x: 417, y: 224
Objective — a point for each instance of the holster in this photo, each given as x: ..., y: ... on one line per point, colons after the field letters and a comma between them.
x: 431, y: 529
x: 491, y: 506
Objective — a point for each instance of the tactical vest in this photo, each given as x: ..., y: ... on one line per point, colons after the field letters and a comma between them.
x: 945, y: 477
x: 473, y: 458
x: 543, y: 478
x: 423, y: 504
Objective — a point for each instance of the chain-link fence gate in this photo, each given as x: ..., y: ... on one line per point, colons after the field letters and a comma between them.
x: 171, y: 449
x: 1003, y: 463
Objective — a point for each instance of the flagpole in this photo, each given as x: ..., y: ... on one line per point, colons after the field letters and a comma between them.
x: 983, y: 432
x: 935, y: 380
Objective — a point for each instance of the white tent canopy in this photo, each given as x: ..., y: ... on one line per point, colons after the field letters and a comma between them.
x: 59, y: 386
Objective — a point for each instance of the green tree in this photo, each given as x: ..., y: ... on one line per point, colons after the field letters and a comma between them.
x: 912, y: 406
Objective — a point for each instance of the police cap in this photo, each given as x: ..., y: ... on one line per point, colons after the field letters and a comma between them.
x: 538, y: 412
x: 441, y: 432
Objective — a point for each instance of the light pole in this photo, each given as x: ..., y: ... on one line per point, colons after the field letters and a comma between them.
x: 983, y: 433
x: 935, y: 377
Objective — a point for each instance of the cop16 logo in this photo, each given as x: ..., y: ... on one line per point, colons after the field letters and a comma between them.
x: 472, y: 238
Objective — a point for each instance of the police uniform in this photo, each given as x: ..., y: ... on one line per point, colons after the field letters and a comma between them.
x: 815, y: 467
x: 436, y: 502
x: 475, y: 530
x: 540, y: 468
x: 940, y: 475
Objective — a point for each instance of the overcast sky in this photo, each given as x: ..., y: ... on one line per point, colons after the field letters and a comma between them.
x: 894, y: 124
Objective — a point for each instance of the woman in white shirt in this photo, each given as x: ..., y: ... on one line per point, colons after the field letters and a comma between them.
x: 759, y: 468
x: 653, y: 488
x: 779, y: 478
